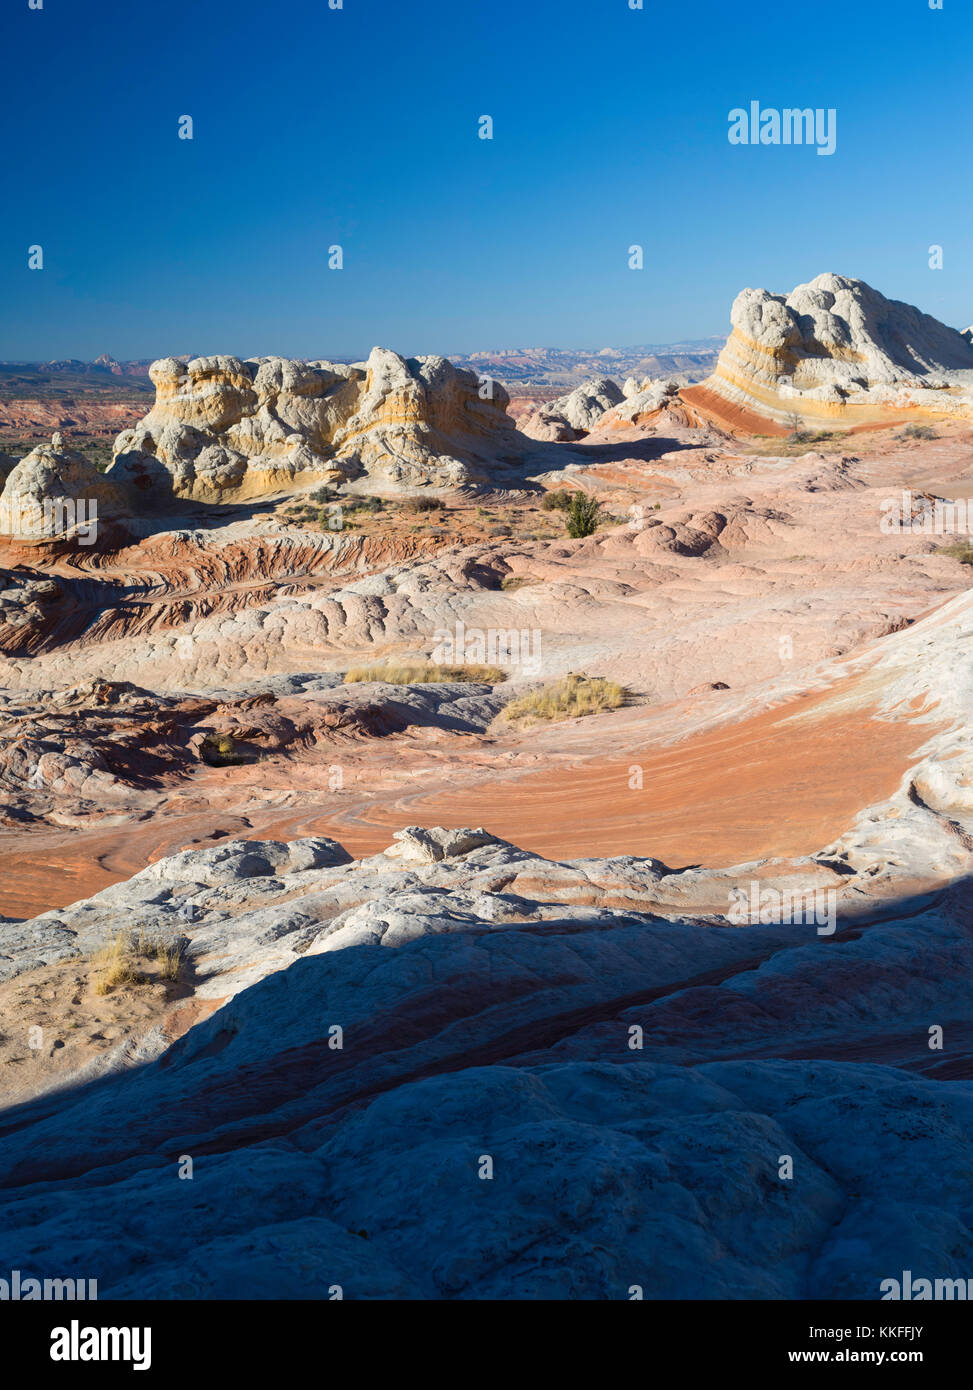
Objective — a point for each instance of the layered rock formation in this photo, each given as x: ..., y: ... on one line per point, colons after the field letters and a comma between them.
x: 836, y: 352
x: 363, y: 1035
x: 222, y: 429
x: 55, y: 492
x: 573, y: 416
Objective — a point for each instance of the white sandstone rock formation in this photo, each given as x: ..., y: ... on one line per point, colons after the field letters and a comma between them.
x: 837, y: 351
x: 485, y: 1003
x: 572, y: 416
x: 224, y: 429
x: 55, y: 492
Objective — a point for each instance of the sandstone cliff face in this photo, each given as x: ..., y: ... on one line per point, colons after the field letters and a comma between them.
x: 838, y: 352
x: 53, y: 491
x: 224, y: 429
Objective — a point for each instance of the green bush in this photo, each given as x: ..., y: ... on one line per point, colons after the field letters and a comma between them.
x: 558, y: 501
x: 583, y: 515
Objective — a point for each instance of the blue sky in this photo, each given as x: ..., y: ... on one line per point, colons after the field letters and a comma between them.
x: 359, y: 127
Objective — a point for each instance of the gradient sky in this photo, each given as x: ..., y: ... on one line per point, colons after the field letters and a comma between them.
x: 359, y: 126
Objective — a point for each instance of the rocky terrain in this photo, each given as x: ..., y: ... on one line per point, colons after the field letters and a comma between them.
x: 835, y: 351
x: 323, y: 966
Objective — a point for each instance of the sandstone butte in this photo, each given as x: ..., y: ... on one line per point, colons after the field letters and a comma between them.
x: 491, y: 910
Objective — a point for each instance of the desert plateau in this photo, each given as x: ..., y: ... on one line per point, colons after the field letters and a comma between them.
x: 481, y: 823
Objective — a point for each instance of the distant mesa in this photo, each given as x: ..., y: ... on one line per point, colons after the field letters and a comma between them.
x: 837, y: 353
x: 226, y: 429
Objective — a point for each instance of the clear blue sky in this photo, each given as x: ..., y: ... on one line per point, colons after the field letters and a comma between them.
x: 359, y: 126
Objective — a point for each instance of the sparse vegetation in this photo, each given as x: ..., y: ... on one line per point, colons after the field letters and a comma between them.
x: 425, y: 504
x: 427, y: 673
x: 114, y: 966
x: 167, y: 955
x: 510, y: 582
x: 362, y: 504
x: 221, y: 750
x: 799, y: 434
x: 918, y: 432
x: 122, y: 962
x: 558, y: 501
x: 810, y: 436
x: 963, y: 551
x: 583, y: 515
x: 570, y: 698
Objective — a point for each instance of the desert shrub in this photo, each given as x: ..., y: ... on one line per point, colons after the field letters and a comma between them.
x: 167, y: 955
x: 427, y: 673
x: 569, y: 698
x: 509, y: 582
x: 962, y: 552
x: 918, y: 432
x: 322, y: 494
x: 220, y: 750
x: 425, y: 504
x: 815, y: 436
x: 582, y: 516
x: 558, y: 501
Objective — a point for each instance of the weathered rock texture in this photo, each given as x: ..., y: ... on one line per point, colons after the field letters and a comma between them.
x: 836, y: 352
x: 573, y: 416
x: 52, y: 489
x: 223, y: 429
x: 365, y: 1033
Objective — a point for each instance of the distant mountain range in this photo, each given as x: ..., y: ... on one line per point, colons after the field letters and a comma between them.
x: 543, y: 367
x: 103, y: 378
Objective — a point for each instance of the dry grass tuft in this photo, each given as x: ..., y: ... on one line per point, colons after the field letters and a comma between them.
x: 114, y: 966
x: 428, y: 673
x: 570, y: 698
x: 120, y: 962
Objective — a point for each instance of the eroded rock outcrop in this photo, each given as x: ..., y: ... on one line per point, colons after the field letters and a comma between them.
x: 55, y: 492
x: 225, y: 429
x: 572, y: 416
x: 835, y: 351
x: 390, y: 1023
